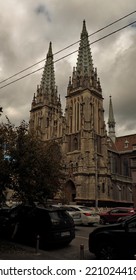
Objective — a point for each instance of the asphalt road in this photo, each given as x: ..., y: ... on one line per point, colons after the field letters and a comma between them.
x: 71, y: 252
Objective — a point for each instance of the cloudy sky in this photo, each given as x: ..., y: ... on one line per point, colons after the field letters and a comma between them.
x: 27, y: 27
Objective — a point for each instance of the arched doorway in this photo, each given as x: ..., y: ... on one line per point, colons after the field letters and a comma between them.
x: 70, y: 191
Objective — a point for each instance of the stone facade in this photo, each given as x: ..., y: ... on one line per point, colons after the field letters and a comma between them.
x: 88, y: 151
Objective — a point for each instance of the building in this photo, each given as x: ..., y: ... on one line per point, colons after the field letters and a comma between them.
x: 97, y: 165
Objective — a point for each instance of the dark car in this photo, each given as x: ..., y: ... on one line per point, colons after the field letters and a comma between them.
x: 4, y: 217
x: 114, y: 214
x: 51, y: 225
x: 117, y: 241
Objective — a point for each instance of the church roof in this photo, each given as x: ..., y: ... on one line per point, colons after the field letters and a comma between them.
x: 126, y: 143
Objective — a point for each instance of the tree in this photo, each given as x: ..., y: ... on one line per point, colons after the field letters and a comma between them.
x: 6, y: 135
x: 34, y: 168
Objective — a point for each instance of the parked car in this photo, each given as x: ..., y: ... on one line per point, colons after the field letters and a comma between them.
x: 124, y: 218
x: 4, y: 214
x: 74, y: 214
x: 114, y: 214
x: 88, y: 215
x: 51, y: 225
x: 117, y: 241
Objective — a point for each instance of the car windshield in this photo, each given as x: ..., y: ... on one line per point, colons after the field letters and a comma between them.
x: 68, y: 209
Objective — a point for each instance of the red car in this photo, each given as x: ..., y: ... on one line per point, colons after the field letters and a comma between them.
x: 114, y: 214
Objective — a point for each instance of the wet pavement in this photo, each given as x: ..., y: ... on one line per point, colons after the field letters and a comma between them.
x: 14, y: 251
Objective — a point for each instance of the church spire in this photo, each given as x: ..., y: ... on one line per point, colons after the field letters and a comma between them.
x: 84, y: 75
x: 84, y: 60
x: 111, y: 122
x: 48, y: 78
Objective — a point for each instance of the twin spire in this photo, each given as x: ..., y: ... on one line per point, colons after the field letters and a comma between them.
x: 84, y: 74
x: 84, y: 60
x: 48, y: 78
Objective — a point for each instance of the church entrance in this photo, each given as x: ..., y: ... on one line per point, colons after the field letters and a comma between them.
x: 70, y: 191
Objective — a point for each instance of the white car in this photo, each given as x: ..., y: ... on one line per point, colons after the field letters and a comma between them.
x: 73, y: 213
x: 88, y: 215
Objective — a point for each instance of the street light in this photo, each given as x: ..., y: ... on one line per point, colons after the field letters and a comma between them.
x: 96, y: 171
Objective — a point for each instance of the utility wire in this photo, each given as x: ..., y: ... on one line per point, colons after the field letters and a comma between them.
x: 37, y: 70
x: 65, y: 48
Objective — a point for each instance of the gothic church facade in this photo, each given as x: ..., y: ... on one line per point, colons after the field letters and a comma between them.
x: 91, y: 158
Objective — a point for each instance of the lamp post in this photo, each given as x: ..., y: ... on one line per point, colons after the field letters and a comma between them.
x: 96, y: 171
x: 96, y: 181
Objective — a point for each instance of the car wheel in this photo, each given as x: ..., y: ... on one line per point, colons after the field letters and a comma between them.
x: 106, y: 252
x: 102, y: 221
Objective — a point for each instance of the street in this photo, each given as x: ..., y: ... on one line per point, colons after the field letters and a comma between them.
x: 71, y: 252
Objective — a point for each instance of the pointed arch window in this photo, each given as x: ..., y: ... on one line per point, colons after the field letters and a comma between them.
x: 75, y: 115
x: 76, y: 166
x: 47, y: 122
x: 70, y: 124
x: 78, y: 116
x: 125, y: 167
x: 103, y: 188
x: 75, y: 143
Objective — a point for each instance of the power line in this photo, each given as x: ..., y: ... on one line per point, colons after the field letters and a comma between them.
x: 65, y: 48
x: 37, y: 70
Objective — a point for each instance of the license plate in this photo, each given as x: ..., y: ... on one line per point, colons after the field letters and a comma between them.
x: 66, y: 233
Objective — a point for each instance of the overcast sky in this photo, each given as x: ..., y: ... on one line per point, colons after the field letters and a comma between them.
x: 27, y: 27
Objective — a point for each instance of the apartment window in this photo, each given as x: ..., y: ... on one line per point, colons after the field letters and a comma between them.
x: 133, y: 162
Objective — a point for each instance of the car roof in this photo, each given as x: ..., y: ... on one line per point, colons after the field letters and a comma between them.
x: 80, y: 206
x: 48, y: 208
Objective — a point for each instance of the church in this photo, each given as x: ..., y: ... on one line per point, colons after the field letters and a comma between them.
x: 99, y: 167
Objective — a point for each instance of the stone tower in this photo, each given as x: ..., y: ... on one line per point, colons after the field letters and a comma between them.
x: 81, y: 131
x: 85, y: 143
x: 46, y: 114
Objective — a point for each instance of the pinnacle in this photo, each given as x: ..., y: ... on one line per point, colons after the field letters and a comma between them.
x: 50, y: 50
x: 84, y: 31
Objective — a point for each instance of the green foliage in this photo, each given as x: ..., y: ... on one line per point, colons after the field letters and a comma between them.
x: 33, y: 169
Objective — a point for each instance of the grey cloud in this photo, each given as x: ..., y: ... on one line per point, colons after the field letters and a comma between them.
x: 25, y: 34
x: 41, y: 9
